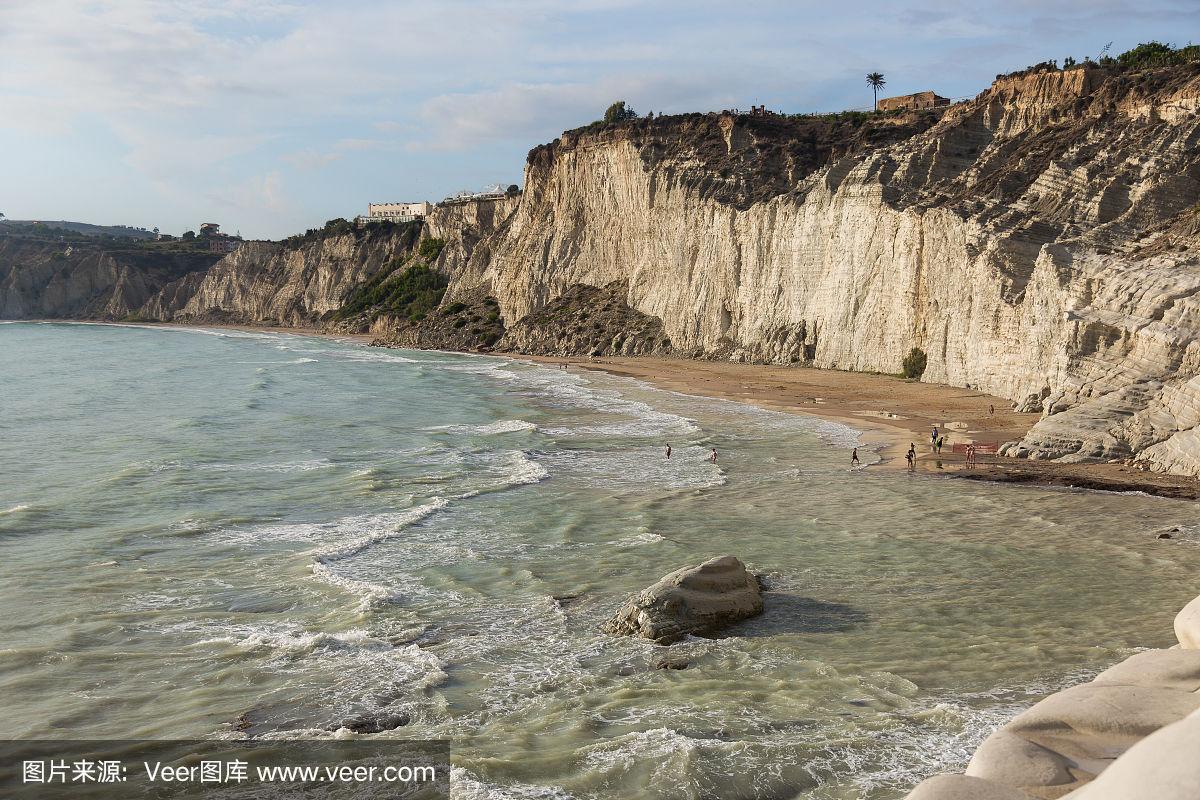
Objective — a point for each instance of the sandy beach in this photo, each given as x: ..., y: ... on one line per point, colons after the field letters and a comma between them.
x: 892, y: 413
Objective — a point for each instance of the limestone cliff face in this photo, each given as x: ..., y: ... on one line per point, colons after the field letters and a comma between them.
x: 46, y: 278
x: 1036, y: 243
x: 291, y: 283
x: 466, y: 226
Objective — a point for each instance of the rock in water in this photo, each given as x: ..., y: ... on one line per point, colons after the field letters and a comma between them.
x: 692, y: 600
x: 374, y: 722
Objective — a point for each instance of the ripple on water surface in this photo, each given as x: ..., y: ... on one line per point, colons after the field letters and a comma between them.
x: 353, y: 532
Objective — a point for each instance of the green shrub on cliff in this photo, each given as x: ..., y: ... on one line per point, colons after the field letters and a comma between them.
x: 338, y: 227
x: 1157, y: 54
x: 1147, y: 55
x: 397, y: 291
x: 914, y: 363
x: 430, y: 249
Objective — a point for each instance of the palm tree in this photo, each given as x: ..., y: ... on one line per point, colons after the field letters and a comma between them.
x: 876, y: 82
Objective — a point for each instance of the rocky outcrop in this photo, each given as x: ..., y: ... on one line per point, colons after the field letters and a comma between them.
x: 41, y: 277
x: 468, y: 317
x: 470, y: 323
x: 1120, y: 736
x: 699, y: 600
x: 586, y: 320
x: 1037, y: 243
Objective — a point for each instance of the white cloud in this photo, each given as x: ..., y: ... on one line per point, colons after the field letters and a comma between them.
x: 532, y: 112
x: 197, y: 94
x: 310, y: 159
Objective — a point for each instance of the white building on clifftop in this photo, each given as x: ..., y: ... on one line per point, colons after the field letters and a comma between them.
x: 396, y: 212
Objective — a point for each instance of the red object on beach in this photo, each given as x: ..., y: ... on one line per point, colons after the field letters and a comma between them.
x: 981, y: 448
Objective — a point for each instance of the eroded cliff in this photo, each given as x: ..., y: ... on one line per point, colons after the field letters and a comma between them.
x: 1038, y: 242
x: 43, y: 277
x: 298, y: 282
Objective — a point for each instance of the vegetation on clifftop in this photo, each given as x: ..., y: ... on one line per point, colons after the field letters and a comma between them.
x: 1147, y: 55
x: 344, y: 227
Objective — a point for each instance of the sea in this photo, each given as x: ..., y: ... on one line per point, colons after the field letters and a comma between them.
x: 217, y: 534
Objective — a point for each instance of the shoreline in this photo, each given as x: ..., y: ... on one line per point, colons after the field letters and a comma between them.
x: 891, y: 412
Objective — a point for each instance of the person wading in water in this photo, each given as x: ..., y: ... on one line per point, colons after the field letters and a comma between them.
x: 713, y: 457
x: 668, y: 451
x: 854, y: 457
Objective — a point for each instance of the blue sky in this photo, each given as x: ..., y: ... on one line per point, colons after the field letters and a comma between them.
x: 272, y: 116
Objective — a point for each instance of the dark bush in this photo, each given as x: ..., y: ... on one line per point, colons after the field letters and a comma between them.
x: 338, y: 227
x: 430, y: 249
x: 914, y: 363
x: 1147, y: 54
x: 619, y: 112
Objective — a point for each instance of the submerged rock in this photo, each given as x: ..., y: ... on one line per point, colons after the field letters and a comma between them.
x: 693, y: 600
x: 375, y: 723
x: 672, y: 662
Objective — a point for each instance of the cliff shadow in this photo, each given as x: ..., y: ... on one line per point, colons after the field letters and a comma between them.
x: 791, y: 613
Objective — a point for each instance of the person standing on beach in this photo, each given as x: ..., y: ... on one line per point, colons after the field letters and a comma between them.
x: 911, y: 455
x: 933, y: 436
x: 854, y: 457
x: 713, y: 457
x: 668, y: 451
x: 991, y: 410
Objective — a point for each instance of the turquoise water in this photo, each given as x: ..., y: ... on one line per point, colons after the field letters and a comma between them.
x: 223, y: 534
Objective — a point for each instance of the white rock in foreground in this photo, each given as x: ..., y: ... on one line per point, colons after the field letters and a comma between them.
x: 1163, y: 766
x: 964, y: 787
x: 1133, y: 732
x: 1187, y: 626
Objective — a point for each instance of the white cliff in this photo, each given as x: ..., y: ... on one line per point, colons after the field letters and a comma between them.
x: 1038, y: 243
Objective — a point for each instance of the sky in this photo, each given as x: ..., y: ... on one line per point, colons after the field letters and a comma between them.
x: 273, y: 116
